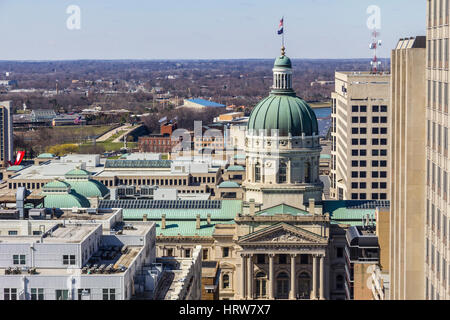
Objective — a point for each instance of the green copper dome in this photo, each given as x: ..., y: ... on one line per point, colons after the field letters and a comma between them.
x: 89, y: 188
x: 282, y: 110
x: 287, y: 113
x: 283, y: 62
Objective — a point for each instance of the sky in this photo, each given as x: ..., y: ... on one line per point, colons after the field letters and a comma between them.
x: 201, y: 29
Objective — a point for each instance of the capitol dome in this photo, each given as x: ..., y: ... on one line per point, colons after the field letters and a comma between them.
x: 282, y: 109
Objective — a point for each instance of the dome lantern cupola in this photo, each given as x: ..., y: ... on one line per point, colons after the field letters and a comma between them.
x: 282, y: 74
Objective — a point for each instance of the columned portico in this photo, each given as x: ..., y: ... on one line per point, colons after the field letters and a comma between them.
x: 250, y: 276
x: 322, y: 285
x: 314, y: 280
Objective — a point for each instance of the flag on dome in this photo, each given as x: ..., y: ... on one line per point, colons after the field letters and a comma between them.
x: 280, y: 27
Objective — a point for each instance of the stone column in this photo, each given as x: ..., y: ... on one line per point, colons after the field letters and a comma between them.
x: 314, y: 278
x: 293, y: 291
x: 243, y: 264
x: 322, y: 274
x: 250, y: 276
x: 271, y: 282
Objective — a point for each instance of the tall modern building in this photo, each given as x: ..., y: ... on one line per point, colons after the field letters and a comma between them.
x: 6, y: 133
x: 360, y: 134
x: 437, y: 159
x: 407, y: 169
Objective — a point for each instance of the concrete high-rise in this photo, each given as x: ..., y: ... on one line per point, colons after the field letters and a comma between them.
x: 407, y: 148
x: 6, y: 133
x: 437, y: 156
x: 360, y: 134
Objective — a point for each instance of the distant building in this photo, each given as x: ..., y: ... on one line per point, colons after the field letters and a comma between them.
x: 6, y: 133
x: 43, y: 115
x: 159, y: 143
x: 360, y: 122
x: 201, y: 104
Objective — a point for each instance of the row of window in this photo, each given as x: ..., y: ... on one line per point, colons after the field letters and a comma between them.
x: 438, y: 95
x: 363, y: 152
x: 363, y: 142
x: 437, y: 137
x: 364, y: 108
x: 364, y: 119
x: 375, y: 174
x: 438, y: 12
x: 38, y: 294
x: 375, y: 196
x: 374, y: 130
x: 363, y: 163
x: 363, y: 185
x: 437, y: 179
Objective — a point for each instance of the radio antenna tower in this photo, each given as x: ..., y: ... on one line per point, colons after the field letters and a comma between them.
x: 375, y: 64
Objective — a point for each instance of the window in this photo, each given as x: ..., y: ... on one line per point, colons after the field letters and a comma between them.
x: 374, y: 185
x: 19, y: 259
x: 375, y: 119
x: 225, y: 252
x: 354, y: 163
x: 362, y: 185
x: 69, y: 259
x: 362, y: 174
x: 355, y: 130
x: 109, y: 294
x: 282, y: 259
x: 354, y: 119
x: 383, y: 130
x: 83, y: 292
x: 354, y: 153
x: 363, y: 109
x: 383, y: 174
x: 383, y: 109
x: 362, y: 196
x: 258, y: 172
x: 383, y: 152
x: 354, y: 196
x: 375, y: 130
x: 339, y: 252
x: 375, y: 108
x: 354, y: 185
x: 187, y: 253
x: 363, y: 163
x: 374, y: 152
x: 37, y: 294
x: 205, y: 254
x: 10, y: 294
x: 363, y: 142
x: 354, y: 108
x: 354, y: 174
x: 363, y: 152
x: 363, y: 119
x: 354, y: 142
x: 62, y: 294
x: 12, y: 233
x: 362, y: 130
x: 282, y: 172
x: 225, y: 281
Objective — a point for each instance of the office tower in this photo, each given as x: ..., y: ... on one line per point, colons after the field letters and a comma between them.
x: 6, y: 133
x: 360, y: 136
x: 407, y: 169
x: 437, y: 161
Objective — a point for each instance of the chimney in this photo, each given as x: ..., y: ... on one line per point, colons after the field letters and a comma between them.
x: 197, y: 225
x: 252, y: 207
x: 208, y: 219
x: 312, y: 206
x: 144, y: 217
x: 163, y: 221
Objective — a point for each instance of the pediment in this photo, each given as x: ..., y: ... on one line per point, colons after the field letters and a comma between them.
x: 282, y: 233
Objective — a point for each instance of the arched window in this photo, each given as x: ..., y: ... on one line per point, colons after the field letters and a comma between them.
x: 225, y: 281
x: 257, y: 172
x: 282, y: 172
x: 339, y: 282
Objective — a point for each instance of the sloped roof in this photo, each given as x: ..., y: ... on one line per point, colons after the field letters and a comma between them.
x: 235, y: 168
x: 229, y: 184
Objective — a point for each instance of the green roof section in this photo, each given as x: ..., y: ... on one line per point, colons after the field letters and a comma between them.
x: 235, y: 168
x: 56, y: 184
x: 352, y: 212
x: 283, y: 62
x: 46, y: 156
x: 282, y: 209
x: 187, y: 228
x: 229, y: 184
x: 325, y: 156
x: 66, y: 200
x: 286, y: 113
x: 78, y: 173
x: 239, y: 156
x: 15, y: 168
x: 226, y: 212
x: 89, y: 188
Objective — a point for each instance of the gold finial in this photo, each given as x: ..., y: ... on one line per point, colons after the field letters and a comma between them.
x: 283, y: 50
